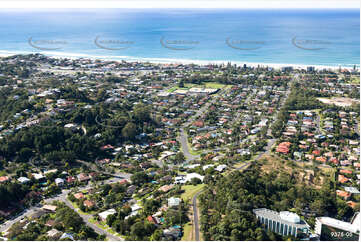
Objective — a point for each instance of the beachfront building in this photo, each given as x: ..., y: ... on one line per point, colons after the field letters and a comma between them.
x: 333, y: 229
x: 284, y: 223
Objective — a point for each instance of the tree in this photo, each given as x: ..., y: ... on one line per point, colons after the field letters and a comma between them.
x: 157, y: 235
x: 139, y: 178
x: 129, y: 131
x: 179, y: 158
x: 141, y: 113
x: 138, y: 231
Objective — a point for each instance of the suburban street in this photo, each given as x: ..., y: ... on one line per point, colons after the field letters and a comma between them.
x: 183, y: 140
x: 195, y: 214
x: 63, y: 197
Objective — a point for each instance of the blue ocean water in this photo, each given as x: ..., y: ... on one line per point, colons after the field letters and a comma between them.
x: 294, y: 36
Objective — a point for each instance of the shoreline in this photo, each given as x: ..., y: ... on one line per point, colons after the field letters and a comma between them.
x: 74, y: 56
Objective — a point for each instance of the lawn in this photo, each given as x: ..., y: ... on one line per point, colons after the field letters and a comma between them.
x: 172, y: 89
x: 216, y: 85
x: 78, y: 209
x: 204, y: 84
x: 190, y: 191
x: 104, y: 227
x: 187, y: 232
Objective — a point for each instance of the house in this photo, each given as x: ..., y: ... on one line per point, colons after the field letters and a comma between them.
x: 343, y: 171
x: 66, y: 236
x: 123, y: 181
x: 175, y: 233
x: 131, y: 189
x: 352, y: 190
x: 38, y: 176
x: 342, y: 179
x: 316, y: 152
x: 79, y: 195
x: 151, y: 219
x: 352, y: 204
x: 103, y: 215
x: 207, y: 166
x: 220, y: 168
x: 166, y: 178
x: 37, y: 214
x: 50, y: 223
x: 49, y: 208
x: 83, y: 177
x: 53, y: 234
x: 284, y: 147
x: 23, y: 180
x: 166, y: 188
x: 59, y: 182
x: 174, y: 201
x: 88, y: 203
x: 321, y: 159
x: 70, y: 179
x: 135, y: 209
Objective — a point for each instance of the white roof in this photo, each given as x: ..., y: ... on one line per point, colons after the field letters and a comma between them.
x: 291, y: 217
x: 135, y: 207
x: 207, y: 166
x: 59, y: 180
x: 193, y: 175
x: 38, y: 176
x: 69, y: 125
x: 338, y: 224
x: 106, y: 213
x: 221, y: 167
x: 23, y: 179
x: 50, y: 171
x: 192, y: 166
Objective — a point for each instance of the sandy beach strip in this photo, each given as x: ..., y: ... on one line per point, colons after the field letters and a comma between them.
x: 75, y: 56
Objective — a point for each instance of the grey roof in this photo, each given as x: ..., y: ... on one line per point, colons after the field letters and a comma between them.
x: 352, y: 190
x: 275, y: 216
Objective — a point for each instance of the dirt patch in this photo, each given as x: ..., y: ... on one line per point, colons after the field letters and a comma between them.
x: 339, y: 101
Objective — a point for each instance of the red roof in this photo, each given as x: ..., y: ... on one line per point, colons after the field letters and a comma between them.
x: 346, y: 171
x: 342, y: 179
x: 70, y: 179
x: 151, y: 219
x: 321, y: 159
x: 79, y: 195
x: 316, y: 152
x: 124, y: 181
x: 283, y: 147
x: 4, y: 178
x: 88, y: 203
x: 199, y: 123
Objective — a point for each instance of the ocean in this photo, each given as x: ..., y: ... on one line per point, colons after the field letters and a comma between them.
x: 327, y: 37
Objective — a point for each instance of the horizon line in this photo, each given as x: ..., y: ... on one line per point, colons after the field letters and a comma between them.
x: 179, y: 4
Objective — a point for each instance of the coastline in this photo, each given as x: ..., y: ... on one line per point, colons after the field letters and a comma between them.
x: 61, y: 55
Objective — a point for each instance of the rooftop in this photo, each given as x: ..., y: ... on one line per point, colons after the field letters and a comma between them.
x: 338, y: 224
x: 285, y: 217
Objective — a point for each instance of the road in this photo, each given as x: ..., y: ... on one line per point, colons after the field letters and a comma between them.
x: 183, y: 137
x: 195, y: 216
x: 94, y: 167
x: 183, y: 140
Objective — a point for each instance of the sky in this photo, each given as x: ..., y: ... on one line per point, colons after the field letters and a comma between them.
x: 181, y: 4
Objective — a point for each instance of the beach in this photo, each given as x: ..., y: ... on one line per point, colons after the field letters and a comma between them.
x: 179, y: 61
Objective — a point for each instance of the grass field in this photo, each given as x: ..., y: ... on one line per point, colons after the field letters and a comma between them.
x: 355, y: 80
x: 204, y: 85
x: 188, y: 232
x: 190, y: 191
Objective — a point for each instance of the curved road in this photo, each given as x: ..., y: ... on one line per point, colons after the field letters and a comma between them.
x: 183, y: 140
